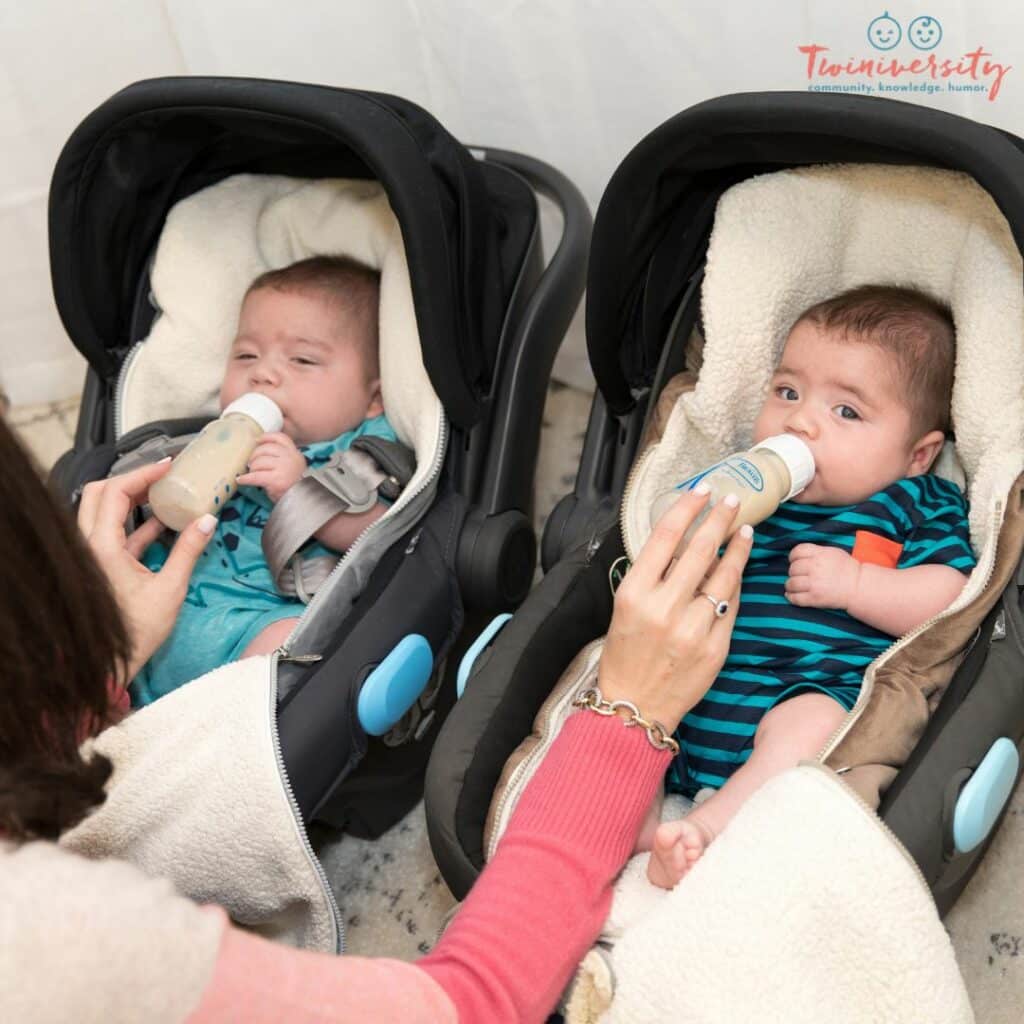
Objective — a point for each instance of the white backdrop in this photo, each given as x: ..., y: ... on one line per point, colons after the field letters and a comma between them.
x: 574, y: 82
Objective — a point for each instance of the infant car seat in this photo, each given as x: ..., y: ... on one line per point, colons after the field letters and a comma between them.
x: 165, y: 203
x: 714, y: 233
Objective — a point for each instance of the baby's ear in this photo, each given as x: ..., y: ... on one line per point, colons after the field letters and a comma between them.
x: 925, y: 452
x: 376, y: 406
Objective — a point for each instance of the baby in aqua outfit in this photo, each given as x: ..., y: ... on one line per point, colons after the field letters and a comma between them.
x: 308, y: 338
x: 871, y: 549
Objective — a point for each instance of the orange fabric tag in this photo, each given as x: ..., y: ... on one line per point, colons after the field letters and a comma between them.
x: 874, y: 550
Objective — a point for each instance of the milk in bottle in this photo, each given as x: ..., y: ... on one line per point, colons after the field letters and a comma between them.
x: 771, y: 472
x: 202, y: 477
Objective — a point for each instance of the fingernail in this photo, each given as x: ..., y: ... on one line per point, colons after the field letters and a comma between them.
x: 166, y: 458
x: 730, y: 501
x: 701, y: 489
x: 746, y: 531
x: 207, y: 523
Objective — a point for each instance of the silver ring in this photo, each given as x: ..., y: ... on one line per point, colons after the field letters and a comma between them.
x: 721, y: 607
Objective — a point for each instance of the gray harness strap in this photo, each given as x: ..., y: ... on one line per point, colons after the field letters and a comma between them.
x: 348, y: 482
x: 152, y: 450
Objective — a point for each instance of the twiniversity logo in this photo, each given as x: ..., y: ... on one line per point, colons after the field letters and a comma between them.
x: 920, y: 68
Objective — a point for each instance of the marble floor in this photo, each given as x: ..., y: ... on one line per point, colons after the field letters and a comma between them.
x: 48, y: 430
x: 392, y: 897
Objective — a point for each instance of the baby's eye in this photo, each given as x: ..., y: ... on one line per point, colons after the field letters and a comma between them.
x: 847, y: 412
x: 303, y: 361
x: 786, y: 393
x: 241, y: 356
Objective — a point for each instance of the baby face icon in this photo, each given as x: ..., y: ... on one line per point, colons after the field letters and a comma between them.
x: 924, y: 33
x: 884, y: 32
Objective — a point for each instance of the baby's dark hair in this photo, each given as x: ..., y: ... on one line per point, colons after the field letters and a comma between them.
x: 352, y: 286
x: 918, y: 331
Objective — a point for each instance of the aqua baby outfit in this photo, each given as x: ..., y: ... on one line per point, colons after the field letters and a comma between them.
x: 231, y: 595
x: 779, y: 649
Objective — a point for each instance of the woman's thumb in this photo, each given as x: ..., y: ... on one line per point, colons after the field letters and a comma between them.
x: 190, y: 544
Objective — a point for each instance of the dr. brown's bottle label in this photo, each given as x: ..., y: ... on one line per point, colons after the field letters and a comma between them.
x: 740, y: 469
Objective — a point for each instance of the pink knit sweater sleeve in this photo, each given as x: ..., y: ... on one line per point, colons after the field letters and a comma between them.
x: 539, y: 905
x: 260, y: 982
x: 520, y: 933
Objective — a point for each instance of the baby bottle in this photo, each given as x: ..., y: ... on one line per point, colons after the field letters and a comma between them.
x: 773, y: 471
x: 202, y: 477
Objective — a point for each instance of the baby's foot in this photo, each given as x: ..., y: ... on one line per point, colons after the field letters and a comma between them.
x: 678, y: 845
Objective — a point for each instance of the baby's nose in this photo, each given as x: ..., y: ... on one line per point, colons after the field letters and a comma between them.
x: 801, y: 421
x: 264, y: 372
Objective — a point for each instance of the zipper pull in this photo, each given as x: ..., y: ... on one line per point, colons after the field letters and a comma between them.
x: 297, y: 659
x: 999, y: 626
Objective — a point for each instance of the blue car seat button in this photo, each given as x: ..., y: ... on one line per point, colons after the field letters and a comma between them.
x: 395, y: 684
x: 493, y: 628
x: 985, y: 794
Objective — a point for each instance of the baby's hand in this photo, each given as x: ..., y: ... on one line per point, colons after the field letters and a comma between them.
x: 821, y: 577
x: 275, y: 465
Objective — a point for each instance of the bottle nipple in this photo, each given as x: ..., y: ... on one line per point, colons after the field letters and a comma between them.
x: 797, y: 457
x: 259, y: 407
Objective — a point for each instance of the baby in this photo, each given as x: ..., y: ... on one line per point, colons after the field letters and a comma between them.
x: 307, y: 338
x: 871, y: 549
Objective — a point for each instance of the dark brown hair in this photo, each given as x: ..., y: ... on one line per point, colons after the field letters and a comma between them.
x: 352, y: 286
x: 915, y: 328
x: 61, y: 640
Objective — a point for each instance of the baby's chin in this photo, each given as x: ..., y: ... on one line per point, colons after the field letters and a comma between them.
x: 300, y: 439
x: 303, y: 438
x: 290, y: 429
x: 817, y: 493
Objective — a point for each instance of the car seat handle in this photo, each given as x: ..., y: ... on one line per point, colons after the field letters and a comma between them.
x: 493, y: 628
x: 984, y: 795
x: 395, y: 684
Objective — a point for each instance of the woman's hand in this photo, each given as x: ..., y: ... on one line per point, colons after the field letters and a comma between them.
x: 149, y: 601
x: 665, y: 644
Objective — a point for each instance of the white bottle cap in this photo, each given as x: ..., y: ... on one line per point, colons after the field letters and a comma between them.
x: 797, y: 457
x: 263, y: 410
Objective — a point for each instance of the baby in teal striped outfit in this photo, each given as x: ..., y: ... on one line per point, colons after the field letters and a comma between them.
x: 871, y: 549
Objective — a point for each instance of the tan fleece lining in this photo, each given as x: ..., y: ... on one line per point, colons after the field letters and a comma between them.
x: 569, y: 679
x: 910, y: 684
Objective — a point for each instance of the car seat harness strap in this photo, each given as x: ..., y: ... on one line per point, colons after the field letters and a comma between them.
x: 350, y: 482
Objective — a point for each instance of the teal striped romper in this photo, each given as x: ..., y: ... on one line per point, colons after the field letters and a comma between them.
x: 779, y: 650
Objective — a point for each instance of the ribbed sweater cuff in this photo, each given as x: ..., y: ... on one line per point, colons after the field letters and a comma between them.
x: 594, y: 787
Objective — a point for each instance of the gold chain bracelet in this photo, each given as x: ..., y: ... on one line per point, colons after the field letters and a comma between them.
x: 657, y: 734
